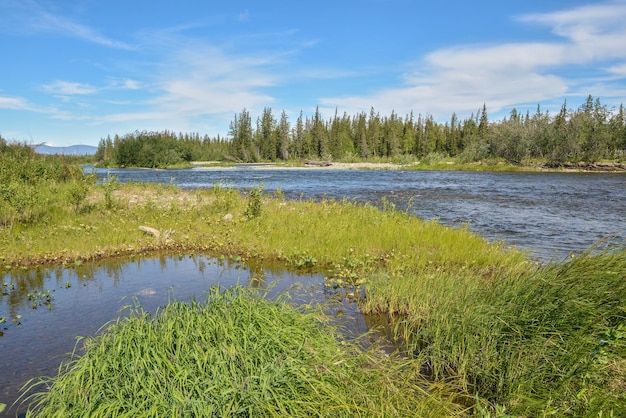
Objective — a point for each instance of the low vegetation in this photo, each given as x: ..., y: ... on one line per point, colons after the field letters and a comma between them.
x: 484, y: 330
x: 237, y: 354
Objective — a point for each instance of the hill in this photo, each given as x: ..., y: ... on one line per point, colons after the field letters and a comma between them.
x: 70, y: 150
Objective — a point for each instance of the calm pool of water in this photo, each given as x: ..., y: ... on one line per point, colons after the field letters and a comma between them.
x: 38, y: 335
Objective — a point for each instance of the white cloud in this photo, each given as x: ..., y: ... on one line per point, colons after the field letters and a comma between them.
x: 30, y: 15
x: 15, y: 103
x: 68, y: 88
x: 460, y: 79
x: 203, y: 80
x: 132, y: 84
x: 244, y: 16
x: 618, y: 70
x: 595, y: 31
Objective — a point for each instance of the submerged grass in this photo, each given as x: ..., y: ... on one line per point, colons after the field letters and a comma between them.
x: 237, y: 354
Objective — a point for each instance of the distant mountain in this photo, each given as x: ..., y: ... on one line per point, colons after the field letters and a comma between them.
x: 71, y: 150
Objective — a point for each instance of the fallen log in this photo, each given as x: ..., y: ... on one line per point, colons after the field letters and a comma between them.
x: 317, y: 163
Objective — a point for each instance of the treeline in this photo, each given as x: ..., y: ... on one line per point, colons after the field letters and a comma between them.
x: 159, y: 149
x: 591, y: 133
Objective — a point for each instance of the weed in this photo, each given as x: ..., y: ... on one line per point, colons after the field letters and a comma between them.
x: 40, y: 299
x: 254, y: 207
x: 109, y: 185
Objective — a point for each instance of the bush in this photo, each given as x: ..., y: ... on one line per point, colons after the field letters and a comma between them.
x: 254, y: 207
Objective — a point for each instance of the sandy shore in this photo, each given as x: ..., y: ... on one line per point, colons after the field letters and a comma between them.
x: 215, y: 165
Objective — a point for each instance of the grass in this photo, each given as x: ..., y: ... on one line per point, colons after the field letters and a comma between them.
x: 481, y: 320
x: 537, y: 341
x: 237, y: 354
x: 289, y: 231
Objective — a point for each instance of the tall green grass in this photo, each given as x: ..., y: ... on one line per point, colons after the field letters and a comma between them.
x: 237, y: 354
x: 533, y: 341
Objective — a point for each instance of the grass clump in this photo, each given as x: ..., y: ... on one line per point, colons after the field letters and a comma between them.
x: 237, y: 354
x: 538, y: 341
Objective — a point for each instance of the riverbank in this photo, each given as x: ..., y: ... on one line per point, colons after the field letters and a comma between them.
x: 478, y: 319
x: 600, y: 167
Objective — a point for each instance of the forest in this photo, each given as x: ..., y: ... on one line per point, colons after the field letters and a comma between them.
x: 591, y: 133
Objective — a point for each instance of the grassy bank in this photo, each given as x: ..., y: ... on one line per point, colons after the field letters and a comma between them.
x: 535, y: 342
x: 324, y: 235
x: 478, y: 319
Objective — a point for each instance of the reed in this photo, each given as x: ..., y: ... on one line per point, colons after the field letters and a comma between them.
x: 237, y: 354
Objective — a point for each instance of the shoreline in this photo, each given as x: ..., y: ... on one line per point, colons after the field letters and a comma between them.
x: 216, y: 165
x: 447, y: 166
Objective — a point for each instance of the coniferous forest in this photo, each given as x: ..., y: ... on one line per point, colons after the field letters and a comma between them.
x: 591, y: 133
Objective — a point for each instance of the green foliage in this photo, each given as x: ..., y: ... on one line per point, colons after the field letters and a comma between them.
x: 77, y: 193
x: 254, y: 207
x: 591, y: 133
x: 23, y: 174
x: 237, y: 354
x: 109, y: 185
x: 535, y: 341
x: 17, y: 202
x: 159, y: 149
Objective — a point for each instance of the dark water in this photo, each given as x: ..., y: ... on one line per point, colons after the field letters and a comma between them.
x: 546, y: 214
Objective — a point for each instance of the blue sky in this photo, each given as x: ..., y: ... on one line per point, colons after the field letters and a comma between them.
x: 75, y: 71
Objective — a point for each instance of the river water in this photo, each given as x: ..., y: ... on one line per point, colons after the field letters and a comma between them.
x: 547, y: 214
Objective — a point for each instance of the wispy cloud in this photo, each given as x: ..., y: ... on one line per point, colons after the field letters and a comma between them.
x: 68, y: 88
x: 205, y: 81
x: 461, y: 78
x: 30, y: 15
x: 244, y: 16
x: 15, y: 103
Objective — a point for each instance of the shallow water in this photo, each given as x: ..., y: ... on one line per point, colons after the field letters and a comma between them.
x: 85, y: 298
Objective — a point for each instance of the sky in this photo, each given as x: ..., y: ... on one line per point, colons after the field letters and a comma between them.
x: 75, y: 71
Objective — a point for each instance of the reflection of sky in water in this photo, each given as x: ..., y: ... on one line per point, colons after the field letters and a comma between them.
x: 97, y: 294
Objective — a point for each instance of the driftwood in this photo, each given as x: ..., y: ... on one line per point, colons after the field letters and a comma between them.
x: 587, y: 166
x: 317, y: 163
x: 156, y: 233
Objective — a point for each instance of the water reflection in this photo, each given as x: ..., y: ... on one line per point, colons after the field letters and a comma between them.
x: 83, y: 298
